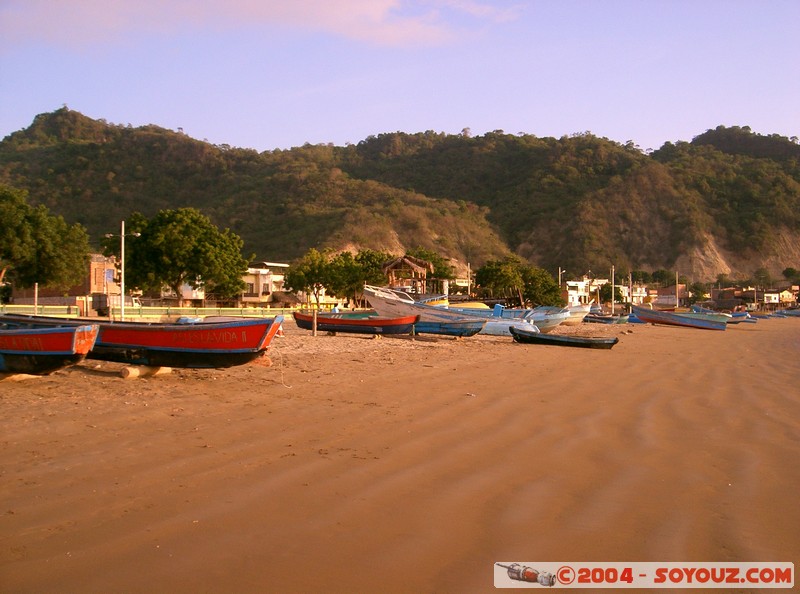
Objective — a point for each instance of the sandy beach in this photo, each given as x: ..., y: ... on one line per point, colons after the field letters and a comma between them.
x: 358, y: 464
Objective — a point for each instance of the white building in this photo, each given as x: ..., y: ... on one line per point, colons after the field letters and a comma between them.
x: 264, y: 284
x: 585, y: 290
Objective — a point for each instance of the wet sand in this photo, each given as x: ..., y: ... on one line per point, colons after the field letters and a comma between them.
x: 355, y: 464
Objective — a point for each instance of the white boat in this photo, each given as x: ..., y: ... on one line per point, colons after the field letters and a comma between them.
x: 502, y: 326
x: 395, y: 303
x: 576, y: 314
x: 547, y: 317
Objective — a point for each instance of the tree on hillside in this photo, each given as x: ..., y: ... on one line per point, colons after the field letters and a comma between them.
x: 182, y: 247
x: 540, y: 287
x: 605, y: 293
x: 663, y: 278
x: 348, y: 274
x: 511, y: 276
x: 500, y: 278
x: 372, y: 262
x: 442, y: 270
x: 345, y: 277
x: 762, y: 278
x: 697, y: 292
x: 309, y: 274
x: 36, y: 247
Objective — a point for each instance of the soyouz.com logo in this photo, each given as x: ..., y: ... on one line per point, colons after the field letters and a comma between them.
x: 582, y: 574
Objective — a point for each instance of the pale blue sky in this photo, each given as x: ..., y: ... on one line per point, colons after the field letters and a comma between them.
x: 268, y: 74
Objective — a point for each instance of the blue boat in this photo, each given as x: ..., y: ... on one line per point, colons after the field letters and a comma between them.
x: 460, y: 328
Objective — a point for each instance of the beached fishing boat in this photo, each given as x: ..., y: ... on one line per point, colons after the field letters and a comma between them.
x: 605, y: 318
x: 192, y: 343
x: 722, y: 316
x: 544, y: 317
x: 41, y: 351
x: 502, y: 326
x: 654, y: 316
x: 433, y: 319
x: 586, y: 342
x: 577, y: 313
x: 355, y: 324
x: 459, y: 328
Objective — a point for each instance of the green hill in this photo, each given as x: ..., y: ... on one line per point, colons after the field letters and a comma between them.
x: 727, y: 202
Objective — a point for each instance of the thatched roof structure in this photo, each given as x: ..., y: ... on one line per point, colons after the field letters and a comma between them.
x: 418, y: 265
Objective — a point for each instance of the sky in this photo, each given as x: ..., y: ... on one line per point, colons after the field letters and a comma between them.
x: 276, y: 74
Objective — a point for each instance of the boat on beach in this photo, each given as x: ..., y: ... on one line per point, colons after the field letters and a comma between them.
x: 545, y: 317
x: 41, y: 351
x: 502, y: 326
x: 433, y: 319
x: 355, y: 324
x: 654, y: 316
x: 577, y: 313
x: 605, y: 318
x: 586, y: 342
x: 191, y: 343
x: 458, y: 328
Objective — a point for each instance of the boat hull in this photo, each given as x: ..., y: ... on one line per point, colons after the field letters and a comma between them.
x: 196, y: 345
x: 41, y: 351
x: 528, y: 337
x: 388, y: 304
x: 502, y: 326
x: 361, y: 325
x: 459, y: 328
x: 654, y: 316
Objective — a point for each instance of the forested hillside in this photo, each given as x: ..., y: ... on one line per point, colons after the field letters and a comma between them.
x: 727, y: 202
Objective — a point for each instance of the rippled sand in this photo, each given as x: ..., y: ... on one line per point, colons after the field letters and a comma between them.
x: 355, y: 464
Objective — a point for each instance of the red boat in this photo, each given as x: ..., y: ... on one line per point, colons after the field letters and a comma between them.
x: 41, y: 351
x: 188, y: 344
x: 356, y: 323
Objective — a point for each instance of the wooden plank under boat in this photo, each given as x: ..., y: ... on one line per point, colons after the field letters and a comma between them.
x: 342, y: 322
x: 654, y: 316
x: 586, y: 342
x: 41, y: 351
x: 197, y: 344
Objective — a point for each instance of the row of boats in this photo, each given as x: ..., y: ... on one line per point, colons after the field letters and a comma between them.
x: 397, y: 312
x: 39, y: 345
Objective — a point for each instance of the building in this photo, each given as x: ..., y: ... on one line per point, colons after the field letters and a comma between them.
x: 101, y: 279
x: 264, y: 286
x: 585, y: 290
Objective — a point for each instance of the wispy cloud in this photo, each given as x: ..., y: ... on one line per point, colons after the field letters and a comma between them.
x: 87, y: 23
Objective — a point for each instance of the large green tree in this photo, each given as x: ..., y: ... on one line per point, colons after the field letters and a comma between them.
x: 347, y: 274
x: 36, y: 247
x: 182, y: 247
x: 309, y: 274
x: 500, y: 278
x: 511, y: 276
x: 540, y: 288
x: 442, y: 269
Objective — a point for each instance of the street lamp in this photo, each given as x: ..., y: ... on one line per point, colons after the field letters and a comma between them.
x: 122, y: 267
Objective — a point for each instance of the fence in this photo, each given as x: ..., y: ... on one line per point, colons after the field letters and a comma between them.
x: 150, y: 314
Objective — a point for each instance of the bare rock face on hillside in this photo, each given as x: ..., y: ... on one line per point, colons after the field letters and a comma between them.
x: 707, y: 262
